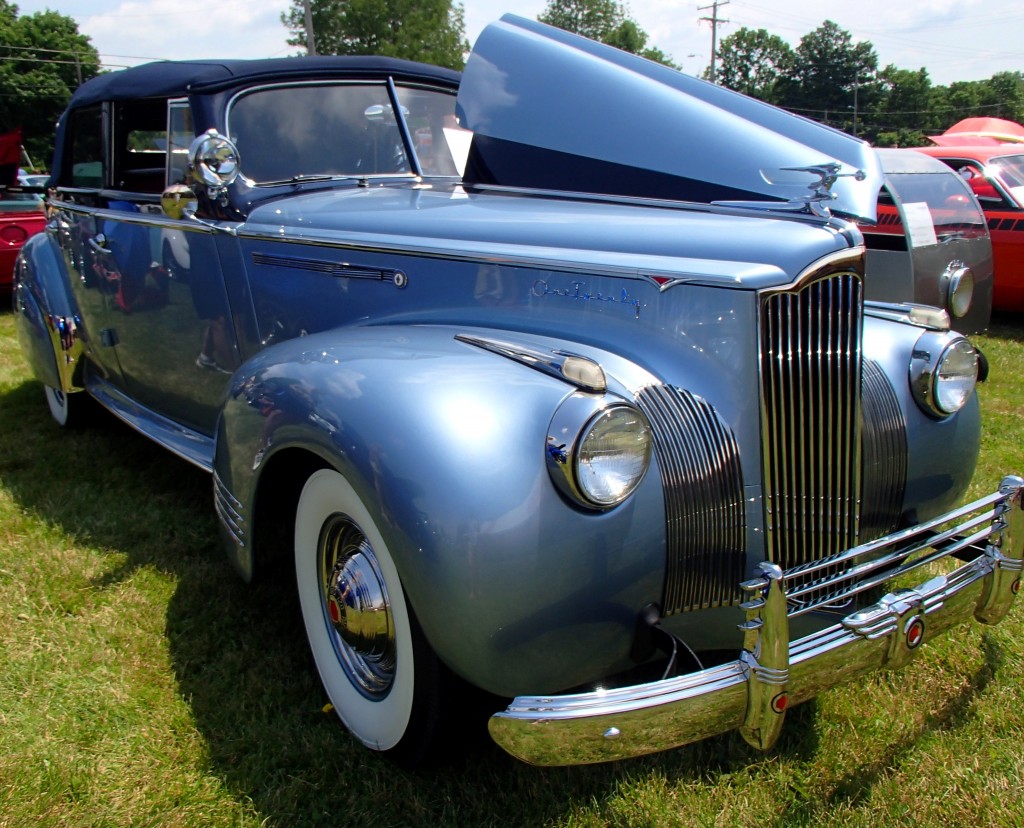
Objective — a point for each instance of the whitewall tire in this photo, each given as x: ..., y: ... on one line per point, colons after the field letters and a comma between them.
x: 60, y: 405
x: 377, y: 669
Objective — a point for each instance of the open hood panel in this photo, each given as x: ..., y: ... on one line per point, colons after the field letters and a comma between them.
x: 555, y: 111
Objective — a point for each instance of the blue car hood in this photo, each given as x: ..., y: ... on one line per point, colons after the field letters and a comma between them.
x: 556, y: 111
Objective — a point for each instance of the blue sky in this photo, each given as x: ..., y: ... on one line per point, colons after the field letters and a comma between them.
x: 953, y: 39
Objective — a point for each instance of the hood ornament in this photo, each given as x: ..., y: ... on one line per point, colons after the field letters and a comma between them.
x: 825, y: 176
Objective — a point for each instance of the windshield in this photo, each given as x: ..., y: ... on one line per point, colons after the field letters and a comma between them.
x: 1009, y: 169
x: 301, y: 132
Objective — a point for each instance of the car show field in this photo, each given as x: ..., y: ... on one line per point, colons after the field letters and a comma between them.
x: 120, y: 703
x: 382, y: 444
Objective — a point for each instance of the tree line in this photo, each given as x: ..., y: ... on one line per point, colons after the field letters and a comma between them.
x: 827, y: 77
x: 830, y: 78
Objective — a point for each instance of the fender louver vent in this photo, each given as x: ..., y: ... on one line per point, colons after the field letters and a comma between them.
x: 350, y: 271
x: 230, y: 512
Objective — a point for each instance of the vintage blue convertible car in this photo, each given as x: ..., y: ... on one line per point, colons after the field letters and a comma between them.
x: 566, y: 390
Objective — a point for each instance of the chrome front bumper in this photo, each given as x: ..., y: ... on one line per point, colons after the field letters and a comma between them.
x: 773, y: 672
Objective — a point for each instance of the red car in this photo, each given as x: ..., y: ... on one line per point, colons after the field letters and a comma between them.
x: 996, y: 175
x: 21, y: 216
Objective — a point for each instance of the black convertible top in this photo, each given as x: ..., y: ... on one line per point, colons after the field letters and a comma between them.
x: 170, y: 78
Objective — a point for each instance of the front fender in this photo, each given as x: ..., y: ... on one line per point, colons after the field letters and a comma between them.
x: 941, y: 453
x: 46, y: 317
x: 445, y: 442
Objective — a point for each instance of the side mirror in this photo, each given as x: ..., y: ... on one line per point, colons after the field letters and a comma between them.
x: 213, y: 159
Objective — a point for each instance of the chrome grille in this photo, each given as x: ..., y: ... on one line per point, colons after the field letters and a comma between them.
x: 703, y: 484
x: 811, y: 419
x: 884, y: 455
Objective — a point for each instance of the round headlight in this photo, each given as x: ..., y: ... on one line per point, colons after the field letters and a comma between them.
x: 956, y: 377
x: 943, y: 372
x: 614, y: 452
x: 959, y: 289
x: 598, y: 453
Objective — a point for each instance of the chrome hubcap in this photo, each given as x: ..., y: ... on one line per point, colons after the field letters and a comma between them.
x: 356, y: 609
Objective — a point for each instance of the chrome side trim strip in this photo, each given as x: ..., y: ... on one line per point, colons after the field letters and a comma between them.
x: 772, y: 673
x: 632, y: 266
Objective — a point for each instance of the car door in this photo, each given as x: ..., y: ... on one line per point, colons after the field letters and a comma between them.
x: 173, y: 330
x: 151, y: 278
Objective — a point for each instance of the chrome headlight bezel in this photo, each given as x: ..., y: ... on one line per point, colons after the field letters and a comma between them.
x: 943, y: 372
x: 958, y: 289
x: 570, y: 453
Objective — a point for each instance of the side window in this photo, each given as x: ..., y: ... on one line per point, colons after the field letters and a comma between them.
x: 87, y: 161
x: 180, y: 133
x: 140, y: 146
x: 292, y: 132
x: 441, y: 144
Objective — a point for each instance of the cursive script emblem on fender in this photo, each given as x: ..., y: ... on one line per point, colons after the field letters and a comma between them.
x: 578, y: 291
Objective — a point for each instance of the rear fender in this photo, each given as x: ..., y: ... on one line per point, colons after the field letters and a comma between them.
x: 46, y: 316
x: 445, y: 442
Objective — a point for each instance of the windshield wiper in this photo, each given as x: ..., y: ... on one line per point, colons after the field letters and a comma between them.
x: 302, y: 179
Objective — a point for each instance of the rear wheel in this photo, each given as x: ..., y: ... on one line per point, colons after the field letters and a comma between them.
x: 375, y: 664
x: 67, y: 410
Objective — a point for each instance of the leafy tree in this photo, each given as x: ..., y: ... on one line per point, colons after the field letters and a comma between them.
x: 904, y: 114
x: 1002, y: 96
x: 43, y: 59
x: 754, y: 62
x: 605, y: 21
x: 596, y: 19
x: 961, y: 99
x: 431, y: 31
x: 833, y: 78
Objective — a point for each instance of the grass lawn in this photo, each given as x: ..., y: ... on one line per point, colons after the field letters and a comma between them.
x: 142, y: 683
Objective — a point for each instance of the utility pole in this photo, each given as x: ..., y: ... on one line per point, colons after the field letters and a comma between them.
x: 310, y: 40
x: 714, y: 20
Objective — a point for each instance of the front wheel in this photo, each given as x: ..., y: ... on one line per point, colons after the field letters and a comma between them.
x: 375, y: 664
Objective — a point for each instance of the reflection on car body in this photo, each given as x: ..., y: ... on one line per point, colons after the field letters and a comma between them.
x: 540, y: 413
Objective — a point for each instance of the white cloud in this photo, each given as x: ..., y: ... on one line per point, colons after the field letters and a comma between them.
x: 953, y: 39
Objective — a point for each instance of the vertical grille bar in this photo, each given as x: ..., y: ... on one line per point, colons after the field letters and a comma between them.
x: 810, y: 376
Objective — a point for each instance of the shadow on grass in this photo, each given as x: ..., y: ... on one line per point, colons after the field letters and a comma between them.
x: 240, y: 658
x: 855, y: 787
